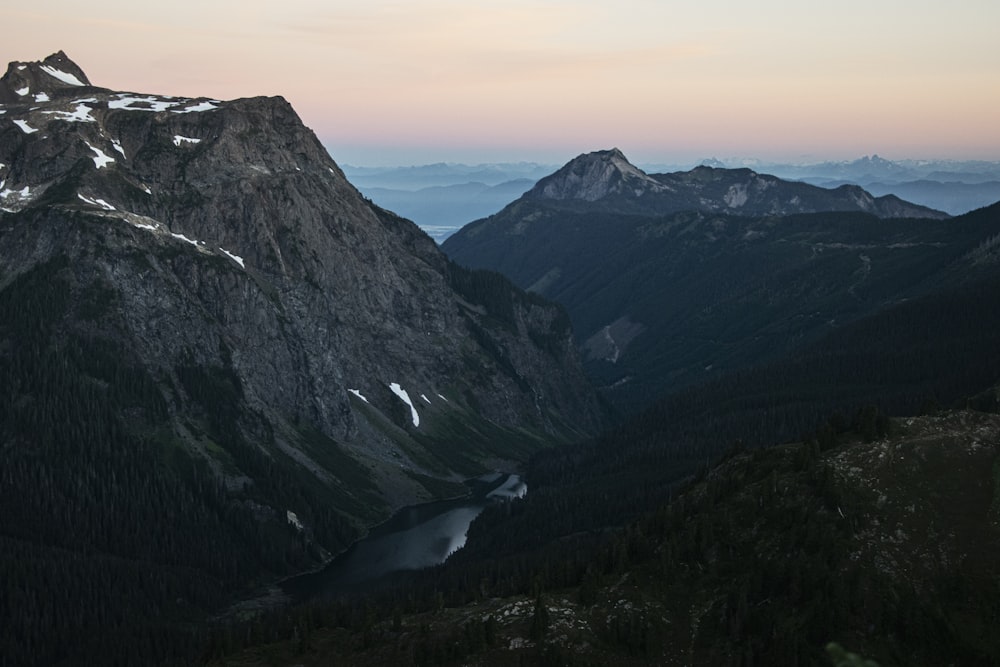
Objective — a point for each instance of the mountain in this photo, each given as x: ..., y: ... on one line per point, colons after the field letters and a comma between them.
x: 222, y: 364
x: 700, y: 532
x: 661, y: 299
x: 608, y: 181
x: 875, y: 168
x: 441, y: 174
x: 442, y: 197
x: 950, y: 196
x: 952, y: 186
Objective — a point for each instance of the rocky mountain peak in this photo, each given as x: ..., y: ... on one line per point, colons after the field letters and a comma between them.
x: 40, y: 80
x: 607, y: 181
x: 594, y: 176
x: 225, y: 239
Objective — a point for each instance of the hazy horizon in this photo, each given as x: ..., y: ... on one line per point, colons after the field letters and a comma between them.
x: 376, y: 159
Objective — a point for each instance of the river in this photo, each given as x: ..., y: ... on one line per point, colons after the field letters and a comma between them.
x: 413, y: 538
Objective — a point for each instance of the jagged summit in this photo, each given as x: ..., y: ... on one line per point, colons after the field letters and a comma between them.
x: 57, y: 121
x: 26, y: 81
x: 594, y: 176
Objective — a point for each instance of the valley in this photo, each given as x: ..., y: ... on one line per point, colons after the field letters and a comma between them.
x: 661, y: 299
x: 414, y: 538
x: 770, y: 555
x: 250, y: 417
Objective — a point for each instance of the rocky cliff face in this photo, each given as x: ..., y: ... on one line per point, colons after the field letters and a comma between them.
x: 220, y: 236
x: 607, y: 181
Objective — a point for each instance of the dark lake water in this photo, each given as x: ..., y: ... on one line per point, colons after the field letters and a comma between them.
x: 414, y: 538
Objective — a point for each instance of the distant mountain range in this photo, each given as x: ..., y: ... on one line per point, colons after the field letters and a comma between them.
x: 445, y: 208
x: 443, y: 174
x: 953, y: 186
x: 607, y: 181
x: 670, y: 279
x: 875, y: 168
x: 442, y: 197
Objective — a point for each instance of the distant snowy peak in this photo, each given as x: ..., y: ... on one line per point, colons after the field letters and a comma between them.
x: 41, y: 78
x: 595, y: 176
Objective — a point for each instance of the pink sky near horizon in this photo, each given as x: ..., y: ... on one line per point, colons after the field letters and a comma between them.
x: 418, y: 81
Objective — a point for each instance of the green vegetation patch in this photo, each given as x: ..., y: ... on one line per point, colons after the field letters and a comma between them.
x: 357, y: 491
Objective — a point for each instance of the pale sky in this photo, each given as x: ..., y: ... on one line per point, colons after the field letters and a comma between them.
x: 413, y: 81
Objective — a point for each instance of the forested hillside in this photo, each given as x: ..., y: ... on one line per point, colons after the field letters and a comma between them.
x: 665, y: 299
x: 879, y: 541
x: 689, y: 535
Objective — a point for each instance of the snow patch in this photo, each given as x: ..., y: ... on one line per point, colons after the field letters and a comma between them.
x: 178, y: 140
x: 357, y: 392
x: 425, y: 398
x: 235, y: 258
x: 101, y: 159
x: 17, y: 196
x: 80, y: 115
x: 147, y: 103
x: 405, y: 397
x: 184, y: 238
x: 201, y: 106
x: 146, y: 189
x: 4, y: 194
x: 65, y: 77
x: 97, y: 202
x: 23, y: 91
x: 2, y: 111
x: 118, y: 147
x: 42, y: 97
x: 293, y: 519
x: 27, y: 129
x: 443, y: 398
